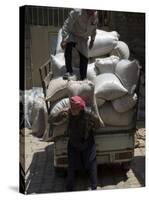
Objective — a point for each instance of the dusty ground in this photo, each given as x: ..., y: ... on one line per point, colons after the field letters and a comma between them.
x: 40, y: 176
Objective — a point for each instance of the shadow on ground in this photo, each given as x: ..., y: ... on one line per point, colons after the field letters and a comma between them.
x: 43, y: 178
x: 138, y: 167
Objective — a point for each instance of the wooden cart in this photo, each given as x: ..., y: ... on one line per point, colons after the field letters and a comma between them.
x: 113, y: 144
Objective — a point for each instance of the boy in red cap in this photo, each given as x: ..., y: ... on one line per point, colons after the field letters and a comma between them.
x: 81, y: 145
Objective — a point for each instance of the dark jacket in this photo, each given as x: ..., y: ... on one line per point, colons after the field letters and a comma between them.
x: 80, y: 127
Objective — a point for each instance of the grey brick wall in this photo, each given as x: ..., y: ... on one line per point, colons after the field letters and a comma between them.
x: 131, y: 27
x: 27, y: 72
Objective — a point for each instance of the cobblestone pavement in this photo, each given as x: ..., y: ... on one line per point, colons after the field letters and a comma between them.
x: 42, y: 178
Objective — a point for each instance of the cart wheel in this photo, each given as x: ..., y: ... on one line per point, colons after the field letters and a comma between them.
x: 61, y: 172
x: 126, y: 165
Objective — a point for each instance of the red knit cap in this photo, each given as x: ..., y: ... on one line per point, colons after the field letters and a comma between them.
x: 77, y: 100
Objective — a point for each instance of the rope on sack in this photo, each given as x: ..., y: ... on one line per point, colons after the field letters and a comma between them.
x: 102, y: 124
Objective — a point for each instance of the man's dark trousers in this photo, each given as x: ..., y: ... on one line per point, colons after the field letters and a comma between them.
x: 75, y: 159
x: 68, y: 60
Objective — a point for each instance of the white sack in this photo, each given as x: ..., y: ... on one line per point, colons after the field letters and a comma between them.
x: 59, y: 128
x: 57, y: 108
x: 35, y: 111
x: 91, y: 71
x: 128, y: 72
x: 108, y: 87
x: 106, y: 65
x: 28, y: 105
x: 113, y: 118
x: 40, y: 117
x: 58, y: 65
x: 39, y: 113
x: 84, y: 89
x: 100, y: 101
x: 125, y: 103
x: 28, y: 98
x: 57, y: 89
x: 59, y: 68
x: 121, y: 50
x: 112, y: 34
x: 103, y: 44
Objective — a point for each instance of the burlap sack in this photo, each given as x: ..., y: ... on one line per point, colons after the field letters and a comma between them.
x: 106, y: 65
x: 125, y: 103
x: 91, y: 72
x: 108, y: 87
x: 84, y: 89
x: 121, y: 50
x: 113, y: 118
x: 104, y: 43
x: 57, y: 89
x: 128, y: 72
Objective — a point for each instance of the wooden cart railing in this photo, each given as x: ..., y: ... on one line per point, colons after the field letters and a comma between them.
x: 46, y: 75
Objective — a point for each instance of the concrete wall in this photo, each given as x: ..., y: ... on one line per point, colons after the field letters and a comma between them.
x: 39, y: 41
x: 131, y: 27
x: 28, y: 70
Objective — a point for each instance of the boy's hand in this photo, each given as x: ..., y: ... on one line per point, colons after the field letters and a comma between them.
x: 55, y: 138
x: 64, y: 113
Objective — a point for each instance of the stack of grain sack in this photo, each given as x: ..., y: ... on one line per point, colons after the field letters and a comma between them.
x: 35, y: 116
x: 110, y: 85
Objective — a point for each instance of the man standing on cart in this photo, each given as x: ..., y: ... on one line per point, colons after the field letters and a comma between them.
x: 76, y: 30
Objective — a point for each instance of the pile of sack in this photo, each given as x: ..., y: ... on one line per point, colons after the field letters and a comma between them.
x: 115, y: 91
x: 111, y: 81
x: 35, y: 116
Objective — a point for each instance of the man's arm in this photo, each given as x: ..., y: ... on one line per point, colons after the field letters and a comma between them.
x: 95, y: 22
x: 68, y: 24
x: 93, y: 34
x: 93, y: 118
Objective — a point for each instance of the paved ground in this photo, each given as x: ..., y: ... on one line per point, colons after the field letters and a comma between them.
x: 42, y: 178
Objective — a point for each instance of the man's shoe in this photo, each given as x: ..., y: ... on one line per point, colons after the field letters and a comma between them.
x: 67, y: 75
